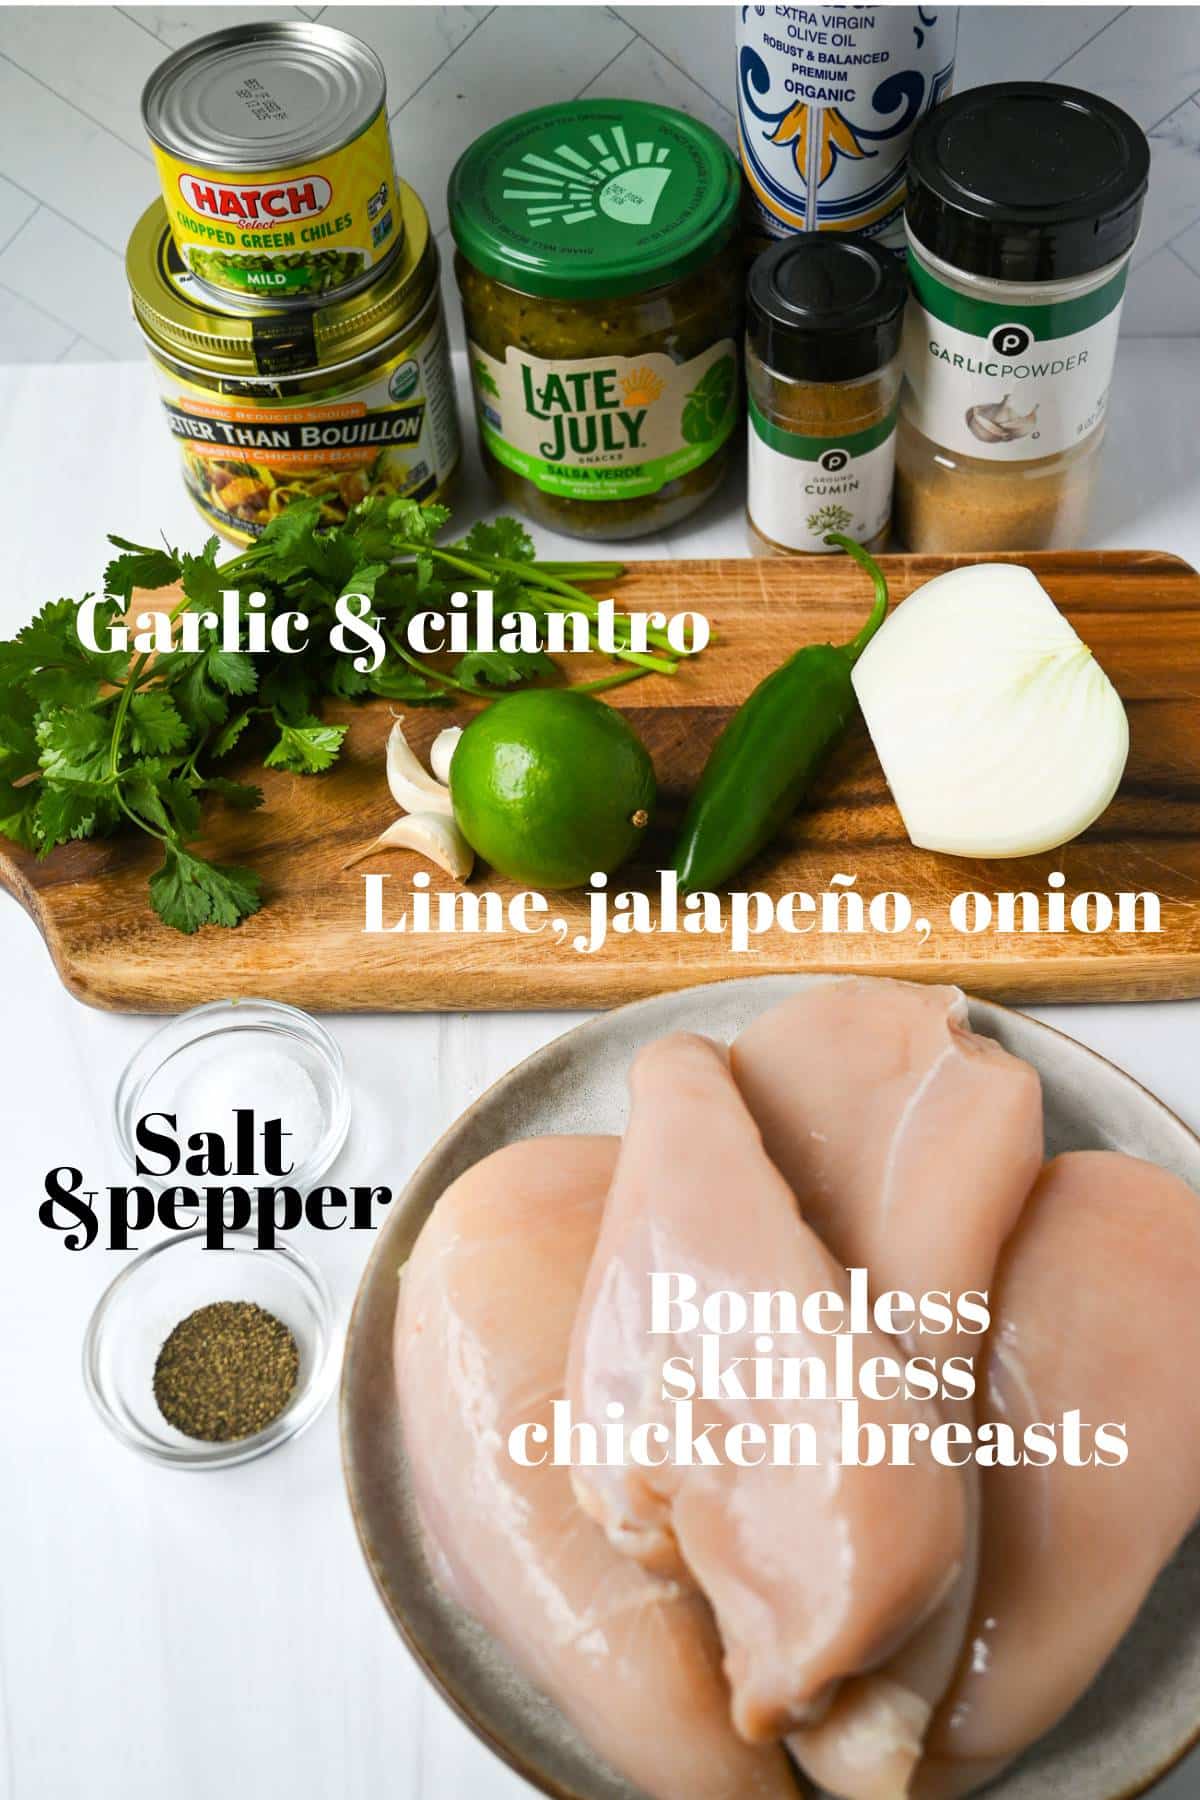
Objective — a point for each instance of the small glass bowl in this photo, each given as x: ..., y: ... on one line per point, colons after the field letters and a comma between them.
x: 189, y: 1046
x: 162, y: 1285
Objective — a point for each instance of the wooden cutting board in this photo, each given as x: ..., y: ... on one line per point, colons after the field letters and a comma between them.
x: 1140, y: 612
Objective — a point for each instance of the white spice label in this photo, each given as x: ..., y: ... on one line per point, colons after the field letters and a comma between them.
x: 1007, y: 383
x: 800, y: 487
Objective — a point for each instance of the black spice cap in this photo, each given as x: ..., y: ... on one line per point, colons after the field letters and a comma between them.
x: 825, y: 306
x: 1027, y: 181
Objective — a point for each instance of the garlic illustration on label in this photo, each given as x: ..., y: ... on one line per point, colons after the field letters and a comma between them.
x: 999, y: 422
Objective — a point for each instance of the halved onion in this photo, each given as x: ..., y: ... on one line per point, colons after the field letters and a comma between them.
x: 999, y: 733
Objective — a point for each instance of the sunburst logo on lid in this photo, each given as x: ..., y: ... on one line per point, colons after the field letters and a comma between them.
x: 619, y: 181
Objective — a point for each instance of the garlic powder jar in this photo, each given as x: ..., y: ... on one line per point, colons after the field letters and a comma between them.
x: 1024, y: 202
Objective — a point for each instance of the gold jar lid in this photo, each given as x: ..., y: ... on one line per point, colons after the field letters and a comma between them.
x: 177, y: 318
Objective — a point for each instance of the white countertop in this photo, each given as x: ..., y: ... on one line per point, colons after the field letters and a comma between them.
x: 168, y: 1636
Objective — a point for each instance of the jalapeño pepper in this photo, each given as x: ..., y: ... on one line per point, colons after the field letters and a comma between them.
x: 761, y: 765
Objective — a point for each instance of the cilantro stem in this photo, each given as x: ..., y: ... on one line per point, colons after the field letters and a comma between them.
x: 584, y: 571
x: 609, y: 681
x: 130, y: 682
x: 531, y: 574
x: 429, y: 673
x: 137, y: 819
x: 535, y: 575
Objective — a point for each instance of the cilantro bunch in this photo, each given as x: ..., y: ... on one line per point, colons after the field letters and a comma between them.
x: 95, y: 740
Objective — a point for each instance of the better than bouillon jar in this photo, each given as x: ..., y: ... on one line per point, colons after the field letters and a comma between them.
x: 823, y: 322
x: 272, y: 147
x: 341, y: 400
x: 1024, y: 202
x: 601, y: 282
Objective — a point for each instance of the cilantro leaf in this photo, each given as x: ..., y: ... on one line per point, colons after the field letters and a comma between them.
x: 196, y: 696
x: 140, y: 790
x: 155, y: 723
x: 188, y: 892
x: 200, y: 577
x: 75, y: 746
x: 305, y: 747
x: 347, y: 682
x: 232, y: 670
x: 483, y: 669
x: 230, y: 732
x: 241, y: 795
x: 76, y: 810
x: 141, y: 566
x: 291, y: 688
x: 183, y: 803
x: 18, y: 808
x: 506, y: 538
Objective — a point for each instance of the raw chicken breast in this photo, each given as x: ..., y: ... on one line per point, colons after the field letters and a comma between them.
x: 486, y: 1307
x: 911, y: 1144
x: 814, y: 1573
x: 1098, y: 1310
x: 910, y: 1141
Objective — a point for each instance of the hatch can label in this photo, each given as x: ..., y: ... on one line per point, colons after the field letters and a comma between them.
x: 287, y: 234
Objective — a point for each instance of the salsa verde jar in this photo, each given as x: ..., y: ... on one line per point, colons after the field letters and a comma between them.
x: 273, y: 151
x: 601, y: 288
x: 334, y: 403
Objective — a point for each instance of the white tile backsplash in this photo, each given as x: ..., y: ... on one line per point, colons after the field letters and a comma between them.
x: 65, y: 160
x: 73, y: 279
x: 94, y: 58
x: 520, y: 56
x: 641, y: 72
x: 1171, y: 204
x: 1148, y: 60
x: 29, y: 335
x: 75, y: 172
x: 15, y: 209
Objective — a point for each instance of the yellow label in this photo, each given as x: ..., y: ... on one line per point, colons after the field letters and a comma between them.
x: 392, y: 431
x: 287, y: 233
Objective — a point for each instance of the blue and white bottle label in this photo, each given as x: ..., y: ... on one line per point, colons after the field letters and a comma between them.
x: 827, y: 102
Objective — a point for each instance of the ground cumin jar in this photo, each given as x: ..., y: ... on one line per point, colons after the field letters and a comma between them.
x: 823, y: 320
x: 601, y: 289
x: 343, y: 400
x: 1024, y: 202
x: 273, y: 150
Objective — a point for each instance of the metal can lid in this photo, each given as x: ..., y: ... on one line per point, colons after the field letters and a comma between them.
x: 825, y: 306
x: 263, y: 96
x: 1027, y: 181
x: 589, y: 199
x: 176, y: 316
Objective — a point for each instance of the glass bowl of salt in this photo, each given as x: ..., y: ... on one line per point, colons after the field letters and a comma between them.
x: 209, y: 1064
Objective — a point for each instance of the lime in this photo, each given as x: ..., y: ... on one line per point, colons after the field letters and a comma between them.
x: 549, y: 786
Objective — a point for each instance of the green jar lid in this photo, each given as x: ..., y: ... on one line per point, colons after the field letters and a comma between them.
x: 590, y: 198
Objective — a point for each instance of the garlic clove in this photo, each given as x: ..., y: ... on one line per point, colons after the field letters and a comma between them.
x: 413, y: 788
x: 441, y: 752
x: 433, y: 835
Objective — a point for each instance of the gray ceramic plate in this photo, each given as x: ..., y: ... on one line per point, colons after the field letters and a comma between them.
x: 1139, y: 1717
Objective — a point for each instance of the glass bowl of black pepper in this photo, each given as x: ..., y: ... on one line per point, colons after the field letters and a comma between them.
x: 202, y: 1358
